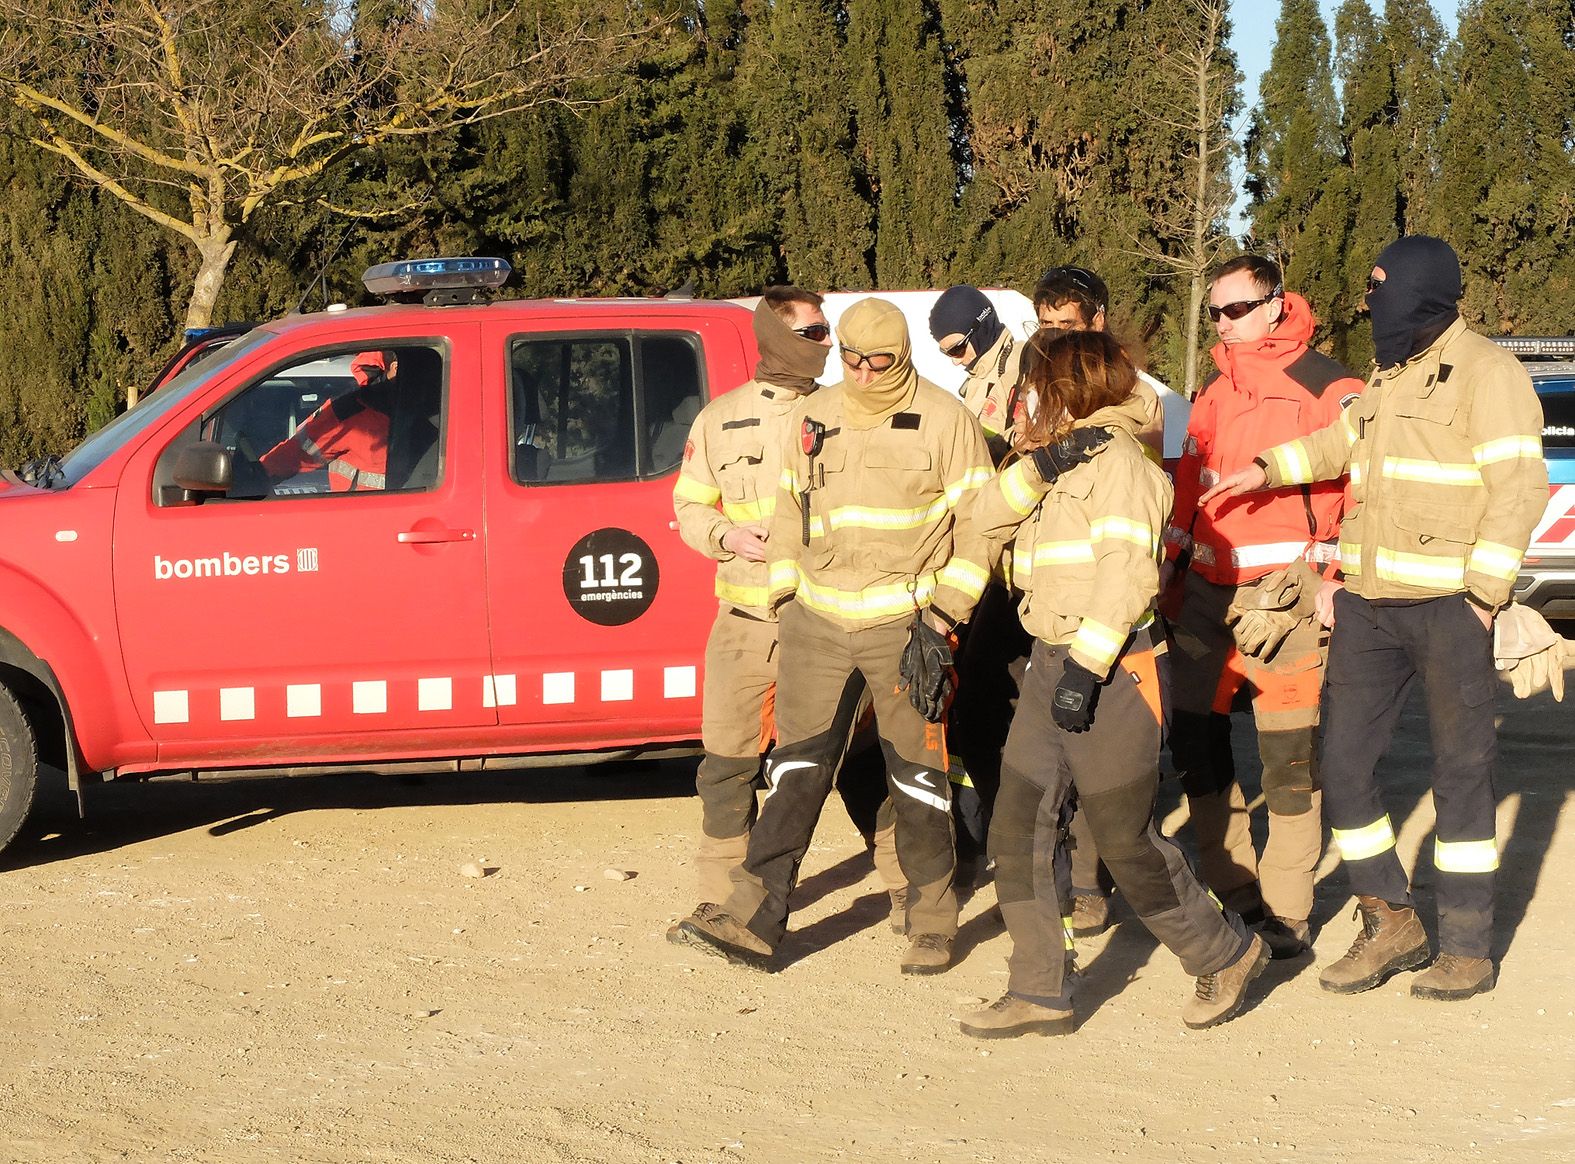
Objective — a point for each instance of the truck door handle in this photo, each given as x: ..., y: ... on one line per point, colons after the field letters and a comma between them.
x: 426, y: 536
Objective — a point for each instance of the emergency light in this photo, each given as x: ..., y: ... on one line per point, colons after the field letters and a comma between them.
x: 1535, y: 345
x: 437, y: 281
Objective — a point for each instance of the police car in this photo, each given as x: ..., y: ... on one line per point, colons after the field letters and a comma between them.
x: 1547, y: 577
x: 193, y: 589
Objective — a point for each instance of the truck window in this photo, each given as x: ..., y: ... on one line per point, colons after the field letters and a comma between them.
x: 602, y: 406
x: 367, y: 420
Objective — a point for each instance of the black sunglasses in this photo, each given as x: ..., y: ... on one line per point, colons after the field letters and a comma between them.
x: 1373, y: 284
x: 813, y: 331
x: 959, y: 347
x: 1241, y: 307
x: 1078, y: 276
x: 874, y: 361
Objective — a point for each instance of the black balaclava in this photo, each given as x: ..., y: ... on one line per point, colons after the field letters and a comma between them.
x: 965, y: 311
x: 1415, y: 304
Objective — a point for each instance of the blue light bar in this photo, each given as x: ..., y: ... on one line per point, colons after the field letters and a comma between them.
x: 416, y: 276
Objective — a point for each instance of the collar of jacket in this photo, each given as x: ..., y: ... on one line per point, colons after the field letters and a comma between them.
x: 1430, y: 354
x: 1241, y: 364
x: 992, y: 364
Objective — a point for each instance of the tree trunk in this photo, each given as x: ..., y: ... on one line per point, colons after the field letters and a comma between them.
x: 217, y: 250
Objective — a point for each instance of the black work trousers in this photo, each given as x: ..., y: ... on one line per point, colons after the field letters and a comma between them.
x: 1377, y: 653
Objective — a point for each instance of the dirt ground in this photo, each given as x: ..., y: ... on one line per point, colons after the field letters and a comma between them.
x: 298, y: 970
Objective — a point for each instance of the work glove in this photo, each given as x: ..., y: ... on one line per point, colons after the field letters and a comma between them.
x: 1076, y: 448
x: 926, y: 669
x: 1529, y: 652
x: 1073, y: 705
x: 1269, y: 609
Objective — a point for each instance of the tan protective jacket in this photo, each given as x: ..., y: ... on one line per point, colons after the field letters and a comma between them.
x: 734, y: 459
x: 868, y: 530
x: 1085, y: 552
x: 991, y: 386
x: 1447, y: 475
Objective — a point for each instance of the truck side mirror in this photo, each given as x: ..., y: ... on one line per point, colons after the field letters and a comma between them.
x: 205, y: 467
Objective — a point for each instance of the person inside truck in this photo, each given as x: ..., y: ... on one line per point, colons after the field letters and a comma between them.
x: 348, y: 435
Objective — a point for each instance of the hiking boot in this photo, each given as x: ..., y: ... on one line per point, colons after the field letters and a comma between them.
x: 927, y: 954
x: 1391, y: 940
x: 1285, y: 938
x: 1453, y: 978
x: 1219, y: 995
x: 1010, y: 1016
x: 722, y: 935
x: 1090, y: 915
x: 702, y: 911
x: 899, y: 911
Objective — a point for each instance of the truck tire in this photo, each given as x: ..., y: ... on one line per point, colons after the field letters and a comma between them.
x: 18, y: 767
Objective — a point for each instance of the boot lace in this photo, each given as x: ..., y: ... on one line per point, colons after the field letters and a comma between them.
x: 1369, y: 929
x: 932, y: 942
x: 1208, y: 987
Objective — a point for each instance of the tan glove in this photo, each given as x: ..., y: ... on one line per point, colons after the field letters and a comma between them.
x: 1269, y: 609
x: 1529, y: 652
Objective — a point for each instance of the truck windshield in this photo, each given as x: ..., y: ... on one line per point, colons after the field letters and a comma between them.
x: 98, y: 447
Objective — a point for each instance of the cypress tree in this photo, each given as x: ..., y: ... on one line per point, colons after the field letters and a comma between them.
x: 1416, y: 44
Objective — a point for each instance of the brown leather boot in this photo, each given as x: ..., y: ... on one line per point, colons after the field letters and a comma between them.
x: 1391, y: 940
x: 1453, y: 978
x: 721, y: 934
x: 1090, y: 915
x: 1010, y: 1016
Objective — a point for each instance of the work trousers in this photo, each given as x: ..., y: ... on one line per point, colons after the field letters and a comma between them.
x: 1207, y: 671
x: 1378, y: 652
x: 824, y: 669
x: 737, y: 726
x: 1114, y: 768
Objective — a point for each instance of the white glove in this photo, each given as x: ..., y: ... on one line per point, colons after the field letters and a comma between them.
x: 1529, y: 652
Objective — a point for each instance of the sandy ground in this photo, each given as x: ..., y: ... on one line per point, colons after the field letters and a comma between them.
x: 297, y: 970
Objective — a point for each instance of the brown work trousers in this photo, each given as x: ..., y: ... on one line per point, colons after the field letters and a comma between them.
x: 824, y: 671
x: 1207, y: 670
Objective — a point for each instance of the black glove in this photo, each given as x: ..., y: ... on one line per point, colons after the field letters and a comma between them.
x: 926, y: 669
x: 1073, y: 705
x: 1076, y: 448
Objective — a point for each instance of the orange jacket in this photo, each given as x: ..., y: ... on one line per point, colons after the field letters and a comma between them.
x: 348, y: 435
x: 1263, y: 394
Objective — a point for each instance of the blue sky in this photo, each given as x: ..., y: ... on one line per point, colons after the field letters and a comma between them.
x: 1252, y: 36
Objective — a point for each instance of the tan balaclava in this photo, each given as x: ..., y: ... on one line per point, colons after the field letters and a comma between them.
x: 871, y: 326
x: 787, y: 359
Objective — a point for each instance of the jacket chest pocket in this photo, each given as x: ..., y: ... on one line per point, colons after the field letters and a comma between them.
x: 895, y: 509
x: 739, y: 470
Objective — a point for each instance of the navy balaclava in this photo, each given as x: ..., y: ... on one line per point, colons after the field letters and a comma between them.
x: 1415, y: 303
x: 964, y: 310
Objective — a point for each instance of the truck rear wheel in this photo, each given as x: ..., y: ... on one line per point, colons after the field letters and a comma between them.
x: 18, y: 767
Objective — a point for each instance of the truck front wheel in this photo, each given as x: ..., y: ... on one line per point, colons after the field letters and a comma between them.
x: 18, y: 767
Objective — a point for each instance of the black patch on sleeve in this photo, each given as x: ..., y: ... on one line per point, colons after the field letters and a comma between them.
x: 1315, y: 371
x: 905, y: 420
x: 747, y: 422
x: 1443, y: 372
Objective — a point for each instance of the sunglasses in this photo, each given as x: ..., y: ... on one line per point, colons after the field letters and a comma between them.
x: 1079, y: 277
x: 959, y: 347
x: 1373, y: 284
x: 1242, y: 307
x: 874, y: 361
x: 813, y: 331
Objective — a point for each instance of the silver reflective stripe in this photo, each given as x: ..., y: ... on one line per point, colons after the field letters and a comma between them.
x: 357, y: 478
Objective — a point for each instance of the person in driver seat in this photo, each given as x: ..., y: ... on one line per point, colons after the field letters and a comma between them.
x: 348, y: 435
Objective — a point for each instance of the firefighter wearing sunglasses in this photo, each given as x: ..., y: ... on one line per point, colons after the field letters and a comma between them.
x: 867, y: 544
x: 1249, y: 585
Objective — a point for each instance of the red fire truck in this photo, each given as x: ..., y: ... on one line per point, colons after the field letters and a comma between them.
x: 502, y: 588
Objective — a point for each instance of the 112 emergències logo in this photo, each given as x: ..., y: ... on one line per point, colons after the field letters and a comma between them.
x: 228, y: 565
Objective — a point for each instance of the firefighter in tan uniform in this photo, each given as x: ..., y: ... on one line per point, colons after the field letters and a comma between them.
x: 1086, y: 508
x: 1444, y: 452
x: 724, y: 499
x: 866, y: 536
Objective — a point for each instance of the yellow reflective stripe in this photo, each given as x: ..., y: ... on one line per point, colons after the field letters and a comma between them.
x: 789, y: 481
x: 1096, y: 641
x: 967, y: 483
x: 1465, y: 856
x: 1509, y: 448
x: 1356, y: 472
x: 783, y: 574
x: 1058, y: 554
x: 958, y: 774
x: 758, y: 596
x: 1292, y: 463
x: 1123, y: 529
x: 1368, y: 841
x: 1430, y: 472
x: 1066, y: 932
x: 962, y: 575
x: 1350, y: 558
x: 870, y: 517
x: 1420, y: 569
x: 1351, y: 433
x: 739, y: 512
x: 1018, y: 491
x: 688, y: 489
x: 1494, y: 560
x: 871, y: 602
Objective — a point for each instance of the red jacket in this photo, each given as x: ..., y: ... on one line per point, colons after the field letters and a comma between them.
x: 1263, y: 394
x: 349, y: 435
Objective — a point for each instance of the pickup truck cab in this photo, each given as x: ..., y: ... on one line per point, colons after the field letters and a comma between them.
x: 1547, y: 574
x: 508, y: 591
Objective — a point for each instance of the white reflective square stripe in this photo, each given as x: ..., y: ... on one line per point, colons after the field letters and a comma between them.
x: 497, y: 691
x: 1367, y: 841
x: 237, y: 703
x: 303, y: 700
x: 678, y: 682
x: 435, y: 694
x: 1465, y: 856
x: 171, y: 707
x: 617, y: 686
x: 557, y: 687
x: 369, y: 697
